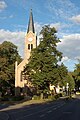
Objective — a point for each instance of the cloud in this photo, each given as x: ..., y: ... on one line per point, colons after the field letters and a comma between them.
x: 11, y: 16
x: 59, y: 26
x: 38, y: 27
x: 56, y: 25
x: 70, y: 45
x: 16, y: 38
x: 65, y: 58
x: 62, y: 8
x: 3, y: 5
x: 6, y: 17
x: 76, y: 19
x: 19, y: 27
x: 70, y: 64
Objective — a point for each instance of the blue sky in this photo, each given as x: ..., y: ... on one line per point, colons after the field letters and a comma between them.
x: 64, y: 15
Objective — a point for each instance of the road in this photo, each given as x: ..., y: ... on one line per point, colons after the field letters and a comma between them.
x: 59, y: 110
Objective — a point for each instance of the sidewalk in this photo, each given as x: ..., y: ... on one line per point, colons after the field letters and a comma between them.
x: 19, y: 105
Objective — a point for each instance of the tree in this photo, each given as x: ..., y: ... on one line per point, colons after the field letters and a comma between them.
x: 62, y: 73
x: 76, y: 75
x: 43, y: 63
x: 8, y: 56
x: 71, y: 81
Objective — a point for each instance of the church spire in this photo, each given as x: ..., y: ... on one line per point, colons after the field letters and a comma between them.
x: 31, y: 23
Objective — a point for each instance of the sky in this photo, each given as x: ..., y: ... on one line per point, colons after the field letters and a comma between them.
x: 64, y: 15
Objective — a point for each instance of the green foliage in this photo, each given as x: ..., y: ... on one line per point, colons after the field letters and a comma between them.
x: 12, y: 98
x: 17, y: 98
x: 8, y: 56
x: 71, y: 81
x: 5, y: 98
x: 61, y: 74
x: 57, y: 96
x: 76, y: 75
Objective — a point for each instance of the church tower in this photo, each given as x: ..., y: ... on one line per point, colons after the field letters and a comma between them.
x: 21, y: 81
x: 30, y: 38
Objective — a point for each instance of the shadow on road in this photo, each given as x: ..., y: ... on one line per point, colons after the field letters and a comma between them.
x: 22, y: 110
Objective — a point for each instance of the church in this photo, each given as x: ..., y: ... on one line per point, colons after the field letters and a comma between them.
x: 22, y: 84
x: 21, y: 81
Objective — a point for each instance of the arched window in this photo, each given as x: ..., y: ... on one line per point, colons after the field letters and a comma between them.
x: 31, y: 46
x: 28, y: 46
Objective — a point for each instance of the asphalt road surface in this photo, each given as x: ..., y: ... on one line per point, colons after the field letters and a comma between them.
x: 59, y: 110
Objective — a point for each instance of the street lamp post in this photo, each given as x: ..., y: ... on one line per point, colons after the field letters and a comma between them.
x: 67, y: 89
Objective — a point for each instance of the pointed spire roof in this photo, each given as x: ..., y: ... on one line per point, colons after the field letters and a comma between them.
x: 31, y: 23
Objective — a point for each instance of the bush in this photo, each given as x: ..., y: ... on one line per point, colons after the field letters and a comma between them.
x: 58, y: 96
x: 5, y: 98
x: 17, y: 98
x: 35, y: 97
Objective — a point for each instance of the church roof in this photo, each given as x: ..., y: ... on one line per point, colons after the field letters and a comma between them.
x: 31, y: 23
